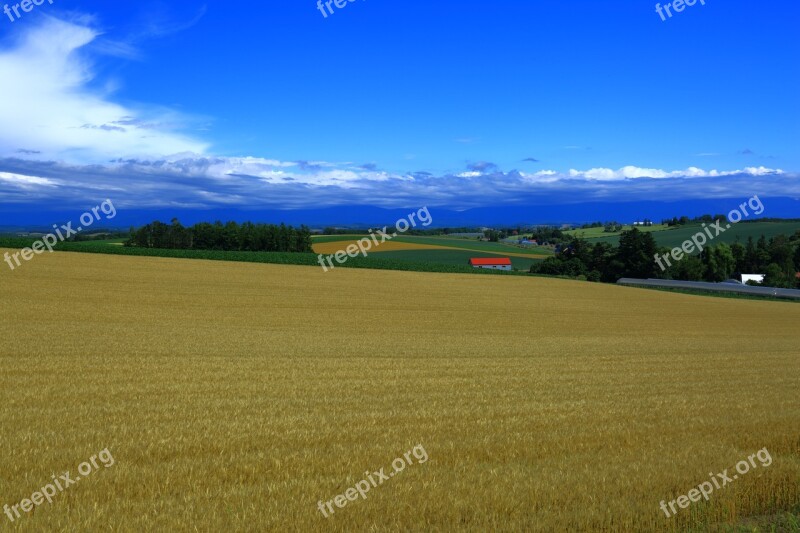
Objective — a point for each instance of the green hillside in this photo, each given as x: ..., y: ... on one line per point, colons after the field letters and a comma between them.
x: 676, y: 236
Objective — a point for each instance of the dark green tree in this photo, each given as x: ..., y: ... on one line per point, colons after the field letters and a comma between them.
x: 636, y: 253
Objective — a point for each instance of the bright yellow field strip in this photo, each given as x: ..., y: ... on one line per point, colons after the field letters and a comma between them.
x: 327, y: 248
x: 235, y: 396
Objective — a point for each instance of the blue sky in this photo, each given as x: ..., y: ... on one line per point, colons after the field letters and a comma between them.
x: 459, y: 104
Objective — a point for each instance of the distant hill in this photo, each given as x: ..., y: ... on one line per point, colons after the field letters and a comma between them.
x: 365, y: 216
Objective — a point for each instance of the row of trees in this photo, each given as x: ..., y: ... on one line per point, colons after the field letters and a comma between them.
x: 778, y: 258
x: 675, y: 221
x: 541, y: 234
x: 245, y: 237
x: 495, y: 235
x: 612, y: 227
x: 601, y: 261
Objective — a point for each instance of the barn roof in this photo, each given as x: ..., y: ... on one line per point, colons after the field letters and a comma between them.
x: 486, y: 261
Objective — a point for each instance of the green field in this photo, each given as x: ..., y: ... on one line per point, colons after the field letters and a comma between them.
x: 474, y: 244
x: 433, y: 260
x: 448, y: 257
x: 664, y: 236
x: 675, y: 237
x: 452, y: 242
x: 335, y: 238
x: 594, y: 233
x: 377, y: 261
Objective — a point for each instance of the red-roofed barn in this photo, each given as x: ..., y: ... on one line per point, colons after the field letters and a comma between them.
x: 495, y: 263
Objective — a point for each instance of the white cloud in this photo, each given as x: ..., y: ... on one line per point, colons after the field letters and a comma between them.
x: 633, y: 172
x: 50, y: 108
x: 761, y: 171
x: 25, y: 182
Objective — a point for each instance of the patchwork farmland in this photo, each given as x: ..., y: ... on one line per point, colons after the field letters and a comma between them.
x: 436, y: 250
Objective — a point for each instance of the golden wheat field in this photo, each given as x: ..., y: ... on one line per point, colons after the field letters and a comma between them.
x: 235, y: 397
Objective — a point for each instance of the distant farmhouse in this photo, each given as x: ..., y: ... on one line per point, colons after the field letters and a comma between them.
x: 495, y: 263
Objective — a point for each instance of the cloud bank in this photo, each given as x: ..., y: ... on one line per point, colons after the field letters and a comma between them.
x: 50, y: 111
x: 249, y: 182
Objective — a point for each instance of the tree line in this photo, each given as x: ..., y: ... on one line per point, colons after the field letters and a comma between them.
x: 245, y: 237
x: 778, y: 258
x: 422, y: 232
